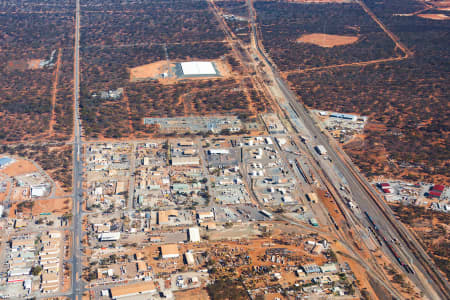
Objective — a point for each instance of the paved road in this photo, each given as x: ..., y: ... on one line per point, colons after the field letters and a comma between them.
x: 410, y: 250
x: 131, y: 184
x: 77, y: 286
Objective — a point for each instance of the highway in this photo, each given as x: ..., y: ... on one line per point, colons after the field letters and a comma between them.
x: 430, y: 281
x: 76, y: 283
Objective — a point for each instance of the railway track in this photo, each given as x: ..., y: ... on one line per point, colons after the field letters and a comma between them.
x: 413, y: 245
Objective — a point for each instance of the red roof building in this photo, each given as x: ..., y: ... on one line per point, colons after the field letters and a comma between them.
x: 434, y: 194
x: 439, y: 188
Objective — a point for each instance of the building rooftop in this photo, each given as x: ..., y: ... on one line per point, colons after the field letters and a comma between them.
x: 196, y: 68
x: 163, y: 215
x: 169, y: 249
x: 439, y: 187
x: 132, y: 289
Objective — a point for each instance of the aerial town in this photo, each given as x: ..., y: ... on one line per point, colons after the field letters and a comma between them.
x: 224, y: 149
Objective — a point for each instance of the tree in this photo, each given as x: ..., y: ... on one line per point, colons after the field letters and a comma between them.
x: 36, y: 270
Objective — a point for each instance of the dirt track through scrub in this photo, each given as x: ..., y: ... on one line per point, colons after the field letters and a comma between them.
x: 357, y: 64
x: 55, y: 92
x: 393, y: 37
x: 438, y: 17
x: 130, y: 123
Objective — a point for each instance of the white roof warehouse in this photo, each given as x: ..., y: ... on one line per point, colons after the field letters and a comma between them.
x: 198, y: 68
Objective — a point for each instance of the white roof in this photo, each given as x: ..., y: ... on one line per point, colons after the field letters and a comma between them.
x: 38, y: 190
x: 109, y: 236
x: 194, y: 234
x: 198, y: 68
x: 189, y: 258
x: 219, y: 151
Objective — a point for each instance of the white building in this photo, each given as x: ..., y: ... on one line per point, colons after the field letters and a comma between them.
x: 328, y: 268
x: 189, y: 258
x: 321, y: 149
x: 198, y: 68
x: 194, y: 234
x: 219, y: 151
x: 109, y: 236
x: 134, y: 289
x: 38, y: 190
x: 205, y: 215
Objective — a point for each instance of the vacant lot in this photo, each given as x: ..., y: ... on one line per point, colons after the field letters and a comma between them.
x: 327, y: 40
x: 198, y: 293
x: 57, y: 207
x: 148, y: 71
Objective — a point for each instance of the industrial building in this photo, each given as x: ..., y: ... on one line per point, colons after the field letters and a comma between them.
x: 38, y: 190
x: 214, y: 124
x: 164, y: 215
x: 194, y: 234
x: 189, y: 257
x: 169, y: 251
x: 344, y: 116
x: 134, y: 289
x: 205, y: 215
x: 329, y: 268
x: 109, y: 236
x: 311, y: 269
x: 185, y: 161
x: 436, y: 191
x: 196, y: 69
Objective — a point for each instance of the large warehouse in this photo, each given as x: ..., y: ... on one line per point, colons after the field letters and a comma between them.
x: 197, y: 69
